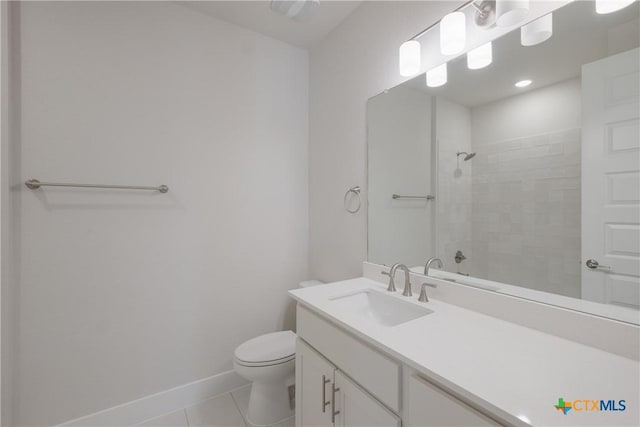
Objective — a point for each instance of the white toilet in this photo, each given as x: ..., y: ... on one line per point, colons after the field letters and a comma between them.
x: 268, y: 361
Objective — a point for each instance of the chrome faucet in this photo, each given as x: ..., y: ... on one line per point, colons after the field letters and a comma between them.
x: 427, y: 266
x: 392, y: 284
x: 423, y: 292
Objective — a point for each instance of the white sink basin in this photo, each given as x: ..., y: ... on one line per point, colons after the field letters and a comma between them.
x: 378, y: 307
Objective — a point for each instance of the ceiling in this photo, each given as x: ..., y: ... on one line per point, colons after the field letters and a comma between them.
x: 580, y: 36
x: 258, y: 16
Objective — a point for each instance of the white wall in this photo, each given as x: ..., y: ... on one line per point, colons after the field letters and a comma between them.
x: 400, y: 162
x: 355, y: 62
x: 124, y: 294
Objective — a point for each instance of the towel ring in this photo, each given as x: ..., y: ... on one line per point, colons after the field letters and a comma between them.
x: 355, y: 190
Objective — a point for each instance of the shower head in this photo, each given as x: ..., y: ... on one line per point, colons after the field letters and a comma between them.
x: 467, y: 156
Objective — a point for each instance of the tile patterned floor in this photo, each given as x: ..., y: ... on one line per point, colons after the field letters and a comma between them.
x: 226, y: 410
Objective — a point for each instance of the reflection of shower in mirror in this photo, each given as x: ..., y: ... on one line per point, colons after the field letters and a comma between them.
x: 467, y: 156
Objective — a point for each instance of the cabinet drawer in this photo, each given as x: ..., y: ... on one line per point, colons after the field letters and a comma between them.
x: 378, y: 374
x: 430, y: 406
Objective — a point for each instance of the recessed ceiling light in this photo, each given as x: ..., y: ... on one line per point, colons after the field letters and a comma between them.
x: 523, y: 83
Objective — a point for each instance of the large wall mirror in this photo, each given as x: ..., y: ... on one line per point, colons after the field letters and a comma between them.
x: 523, y: 177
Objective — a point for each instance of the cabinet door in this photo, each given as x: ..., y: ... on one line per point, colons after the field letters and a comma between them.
x: 430, y: 406
x: 355, y: 407
x: 314, y: 379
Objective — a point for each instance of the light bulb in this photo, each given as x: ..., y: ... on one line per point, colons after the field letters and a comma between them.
x: 437, y: 76
x: 609, y: 6
x: 453, y: 33
x: 511, y: 12
x: 480, y: 57
x: 523, y: 83
x: 537, y: 31
x: 410, y: 53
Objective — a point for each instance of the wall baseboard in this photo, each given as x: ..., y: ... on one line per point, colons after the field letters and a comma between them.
x: 139, y: 410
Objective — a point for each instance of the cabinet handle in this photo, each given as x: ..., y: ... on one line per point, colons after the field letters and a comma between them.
x: 324, y: 393
x: 334, y: 390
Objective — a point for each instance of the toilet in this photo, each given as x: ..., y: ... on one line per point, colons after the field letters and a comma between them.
x: 268, y: 361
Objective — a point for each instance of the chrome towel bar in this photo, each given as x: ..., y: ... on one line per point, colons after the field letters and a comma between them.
x: 398, y: 196
x: 34, y: 184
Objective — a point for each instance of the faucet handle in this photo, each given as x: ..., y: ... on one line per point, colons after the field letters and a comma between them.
x: 392, y: 284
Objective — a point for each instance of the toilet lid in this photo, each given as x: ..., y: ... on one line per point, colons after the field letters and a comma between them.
x: 267, y: 348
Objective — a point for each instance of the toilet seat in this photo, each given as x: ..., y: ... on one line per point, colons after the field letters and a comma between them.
x: 267, y: 350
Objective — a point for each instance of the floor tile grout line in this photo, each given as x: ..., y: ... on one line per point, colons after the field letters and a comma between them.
x: 235, y: 402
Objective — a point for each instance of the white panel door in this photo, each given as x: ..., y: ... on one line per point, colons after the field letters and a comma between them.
x: 354, y: 407
x: 314, y: 379
x: 611, y: 180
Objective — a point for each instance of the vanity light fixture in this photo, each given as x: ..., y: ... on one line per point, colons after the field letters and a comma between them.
x: 453, y: 33
x: 610, y: 6
x: 437, y: 77
x: 523, y: 83
x: 537, y: 31
x: 511, y: 12
x: 410, y: 54
x: 485, y: 16
x: 480, y: 57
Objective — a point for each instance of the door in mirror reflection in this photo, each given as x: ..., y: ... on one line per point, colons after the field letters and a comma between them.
x: 611, y: 182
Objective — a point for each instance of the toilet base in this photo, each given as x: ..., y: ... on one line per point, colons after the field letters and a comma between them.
x: 269, y: 403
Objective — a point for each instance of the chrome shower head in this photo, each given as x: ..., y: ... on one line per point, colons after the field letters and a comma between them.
x: 467, y: 156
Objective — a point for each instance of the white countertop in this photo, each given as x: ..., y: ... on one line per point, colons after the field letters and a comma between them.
x: 516, y: 372
x: 610, y: 311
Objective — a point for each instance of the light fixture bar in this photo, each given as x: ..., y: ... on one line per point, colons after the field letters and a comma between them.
x: 426, y: 30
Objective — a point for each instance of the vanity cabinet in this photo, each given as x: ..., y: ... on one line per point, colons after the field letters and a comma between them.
x: 314, y: 379
x: 343, y: 382
x: 327, y: 397
x: 430, y: 406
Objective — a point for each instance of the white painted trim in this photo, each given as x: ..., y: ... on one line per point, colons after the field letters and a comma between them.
x: 140, y: 410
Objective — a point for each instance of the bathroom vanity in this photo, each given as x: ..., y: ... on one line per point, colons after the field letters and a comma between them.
x: 366, y: 356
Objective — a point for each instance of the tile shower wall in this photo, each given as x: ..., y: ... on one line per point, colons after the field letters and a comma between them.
x: 526, y: 211
x: 526, y: 189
